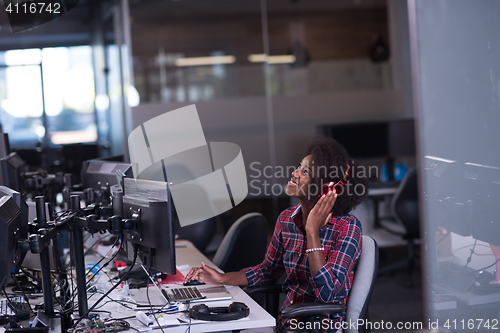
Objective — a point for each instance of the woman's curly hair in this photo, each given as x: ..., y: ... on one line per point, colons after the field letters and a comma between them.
x: 329, y: 161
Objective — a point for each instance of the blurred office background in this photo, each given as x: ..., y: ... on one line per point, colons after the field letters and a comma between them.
x: 268, y: 76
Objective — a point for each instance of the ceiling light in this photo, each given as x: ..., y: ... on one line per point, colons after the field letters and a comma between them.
x: 201, y: 61
x: 276, y: 59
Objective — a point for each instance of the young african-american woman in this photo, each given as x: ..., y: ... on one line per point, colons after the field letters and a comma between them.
x: 317, y: 243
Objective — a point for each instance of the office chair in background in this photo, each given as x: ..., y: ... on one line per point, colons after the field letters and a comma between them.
x: 365, y: 274
x: 404, y: 207
x: 200, y: 234
x: 244, y: 245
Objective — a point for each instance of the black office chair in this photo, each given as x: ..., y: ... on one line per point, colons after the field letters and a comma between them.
x: 405, y: 223
x: 365, y: 274
x: 200, y: 234
x: 244, y: 245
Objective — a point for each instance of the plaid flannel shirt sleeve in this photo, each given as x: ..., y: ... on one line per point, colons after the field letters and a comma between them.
x: 329, y: 280
x: 272, y: 267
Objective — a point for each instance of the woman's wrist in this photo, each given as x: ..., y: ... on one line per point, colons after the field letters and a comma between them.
x: 313, y: 239
x: 312, y: 231
x: 223, y: 278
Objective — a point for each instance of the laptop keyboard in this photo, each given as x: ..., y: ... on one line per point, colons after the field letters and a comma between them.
x: 19, y: 304
x: 185, y: 294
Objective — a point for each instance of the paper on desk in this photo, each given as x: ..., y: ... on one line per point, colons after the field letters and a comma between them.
x: 166, y: 321
x: 183, y: 267
x: 178, y: 277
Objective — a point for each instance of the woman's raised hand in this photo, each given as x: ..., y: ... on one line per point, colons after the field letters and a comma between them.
x: 321, y: 212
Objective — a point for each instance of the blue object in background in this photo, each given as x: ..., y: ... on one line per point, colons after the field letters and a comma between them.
x: 95, y: 271
x: 400, y: 170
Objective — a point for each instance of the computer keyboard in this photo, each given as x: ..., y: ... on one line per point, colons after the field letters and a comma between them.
x: 20, y: 306
x: 456, y: 276
x: 452, y: 268
x: 185, y: 294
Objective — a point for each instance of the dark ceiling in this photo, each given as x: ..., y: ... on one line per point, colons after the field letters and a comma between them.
x: 155, y: 10
x: 74, y: 27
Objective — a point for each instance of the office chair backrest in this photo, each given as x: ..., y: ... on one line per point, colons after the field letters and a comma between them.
x: 200, y: 234
x: 362, y: 286
x: 244, y: 245
x: 405, y: 204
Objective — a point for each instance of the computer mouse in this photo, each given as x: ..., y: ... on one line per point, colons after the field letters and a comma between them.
x: 193, y: 283
x: 484, y: 278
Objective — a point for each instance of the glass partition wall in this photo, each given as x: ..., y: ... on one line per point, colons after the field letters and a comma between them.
x: 196, y: 50
x: 263, y: 74
x: 455, y: 50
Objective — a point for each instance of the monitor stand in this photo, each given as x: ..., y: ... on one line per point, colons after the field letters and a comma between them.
x: 53, y: 323
x: 389, y: 163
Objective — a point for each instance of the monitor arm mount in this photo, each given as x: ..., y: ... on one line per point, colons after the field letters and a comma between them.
x: 43, y: 232
x: 37, y: 180
x: 89, y: 195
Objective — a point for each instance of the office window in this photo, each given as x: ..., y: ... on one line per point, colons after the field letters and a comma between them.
x: 21, y: 102
x: 52, y: 83
x: 68, y: 81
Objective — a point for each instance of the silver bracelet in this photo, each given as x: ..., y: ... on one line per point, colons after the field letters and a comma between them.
x: 315, y: 249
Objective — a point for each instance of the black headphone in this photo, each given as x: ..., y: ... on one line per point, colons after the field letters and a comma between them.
x: 9, y: 321
x: 234, y: 311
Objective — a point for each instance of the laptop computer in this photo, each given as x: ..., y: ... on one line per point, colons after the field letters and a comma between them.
x: 213, y: 293
x: 192, y: 294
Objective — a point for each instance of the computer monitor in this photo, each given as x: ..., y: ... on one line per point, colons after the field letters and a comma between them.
x: 4, y: 145
x: 4, y: 150
x: 98, y: 173
x: 11, y: 224
x: 12, y: 168
x: 5, y: 191
x: 482, y: 186
x: 393, y: 138
x: 444, y: 193
x: 73, y: 156
x: 401, y: 136
x: 361, y: 140
x: 154, y: 236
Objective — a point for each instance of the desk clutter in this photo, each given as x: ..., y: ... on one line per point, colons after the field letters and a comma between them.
x: 16, y: 306
x: 134, y: 312
x: 72, y: 253
x: 236, y: 310
x: 95, y: 324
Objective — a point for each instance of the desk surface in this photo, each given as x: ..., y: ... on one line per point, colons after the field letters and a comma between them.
x: 468, y: 297
x: 188, y: 256
x: 383, y: 189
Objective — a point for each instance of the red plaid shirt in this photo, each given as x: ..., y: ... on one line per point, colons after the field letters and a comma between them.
x: 341, y: 238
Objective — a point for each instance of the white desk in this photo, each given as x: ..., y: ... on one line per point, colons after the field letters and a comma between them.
x: 369, y: 214
x: 376, y: 195
x: 468, y: 297
x: 188, y: 256
x: 383, y: 191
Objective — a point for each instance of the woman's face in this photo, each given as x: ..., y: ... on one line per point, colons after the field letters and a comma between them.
x: 299, y: 185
